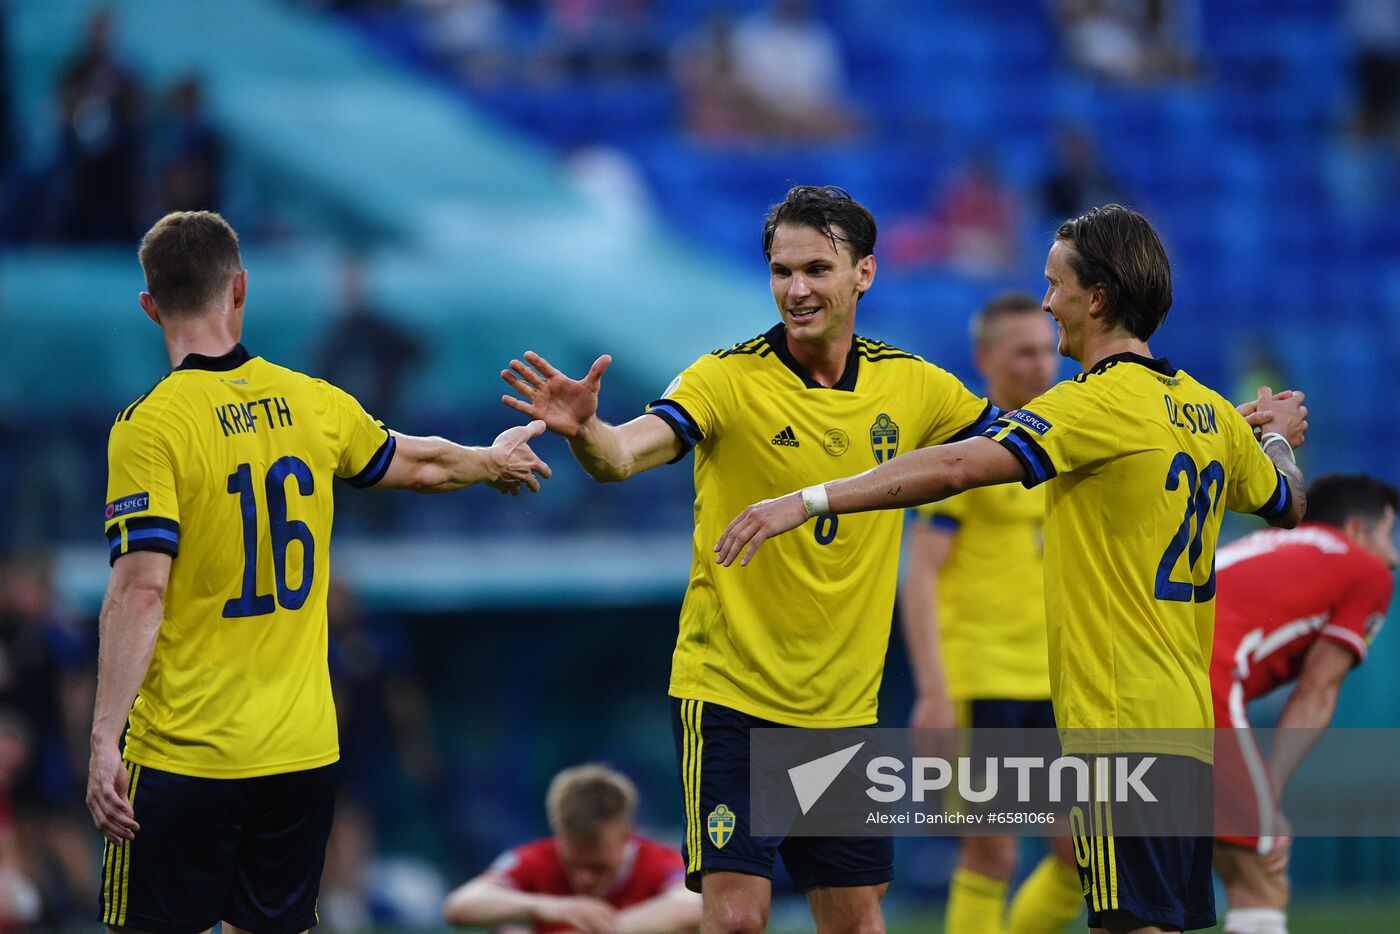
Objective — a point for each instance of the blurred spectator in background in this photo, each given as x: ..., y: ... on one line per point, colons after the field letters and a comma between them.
x: 187, y: 157
x: 47, y: 680
x: 388, y: 757
x: 719, y: 107
x: 99, y: 169
x: 594, y: 874
x: 1375, y: 28
x: 19, y: 897
x: 970, y: 226
x: 1078, y: 181
x: 603, y: 39
x: 1130, y: 40
x: 365, y: 352
x: 790, y: 65
x: 470, y: 35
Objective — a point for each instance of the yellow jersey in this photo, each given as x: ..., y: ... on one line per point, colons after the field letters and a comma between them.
x: 1141, y: 462
x: 992, y: 635
x: 226, y: 465
x: 799, y: 636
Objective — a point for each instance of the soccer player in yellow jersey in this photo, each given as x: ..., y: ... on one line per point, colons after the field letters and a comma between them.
x: 1141, y: 462
x: 802, y: 644
x: 213, y: 629
x: 977, y: 646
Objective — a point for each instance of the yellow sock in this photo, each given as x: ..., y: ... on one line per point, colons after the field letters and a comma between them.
x: 975, y: 903
x: 1048, y: 900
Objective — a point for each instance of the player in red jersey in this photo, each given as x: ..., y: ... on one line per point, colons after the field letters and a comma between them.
x: 1291, y: 605
x: 594, y: 876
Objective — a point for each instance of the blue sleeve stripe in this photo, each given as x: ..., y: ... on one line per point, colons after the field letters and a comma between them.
x: 1033, y: 458
x: 675, y: 415
x: 149, y: 534
x: 378, y: 465
x: 984, y: 423
x: 1282, y: 501
x: 943, y: 523
x: 146, y: 535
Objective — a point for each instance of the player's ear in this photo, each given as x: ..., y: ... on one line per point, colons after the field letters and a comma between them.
x: 240, y: 288
x: 1355, y: 528
x: 865, y: 273
x: 148, y: 305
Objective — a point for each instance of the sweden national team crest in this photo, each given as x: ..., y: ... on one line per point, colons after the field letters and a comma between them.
x: 884, y: 438
x: 720, y: 824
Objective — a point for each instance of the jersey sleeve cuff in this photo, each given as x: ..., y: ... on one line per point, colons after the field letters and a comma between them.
x: 674, y: 414
x: 1348, y: 639
x: 986, y: 420
x: 1034, y: 460
x: 1281, y: 503
x: 378, y: 465
x: 148, y: 533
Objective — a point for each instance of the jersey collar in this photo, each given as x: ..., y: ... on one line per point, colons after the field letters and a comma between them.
x: 777, y: 339
x: 232, y: 360
x: 1158, y: 364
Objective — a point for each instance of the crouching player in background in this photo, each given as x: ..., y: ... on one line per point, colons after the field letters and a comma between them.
x: 1292, y: 605
x: 594, y: 876
x: 977, y: 646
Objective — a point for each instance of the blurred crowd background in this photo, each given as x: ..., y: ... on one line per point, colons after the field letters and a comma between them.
x: 426, y: 188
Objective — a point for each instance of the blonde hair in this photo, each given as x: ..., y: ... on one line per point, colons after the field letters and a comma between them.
x: 585, y: 799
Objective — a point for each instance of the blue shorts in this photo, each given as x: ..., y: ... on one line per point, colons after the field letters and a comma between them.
x: 248, y: 851
x: 995, y: 713
x: 1164, y: 881
x: 712, y: 744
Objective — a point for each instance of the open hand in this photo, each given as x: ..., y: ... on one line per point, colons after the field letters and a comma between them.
x: 107, y: 790
x: 563, y: 404
x: 757, y: 524
x: 514, y: 463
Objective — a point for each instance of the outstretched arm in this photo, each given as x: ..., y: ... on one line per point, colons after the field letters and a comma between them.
x: 569, y: 407
x: 922, y: 476
x: 436, y: 465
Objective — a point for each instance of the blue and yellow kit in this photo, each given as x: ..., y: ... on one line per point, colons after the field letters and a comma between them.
x: 1142, y: 461
x: 226, y: 465
x: 799, y: 637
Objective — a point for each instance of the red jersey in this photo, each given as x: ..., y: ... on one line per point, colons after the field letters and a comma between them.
x: 648, y: 870
x: 1279, y: 591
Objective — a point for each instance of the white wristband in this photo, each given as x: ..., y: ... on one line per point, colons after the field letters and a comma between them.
x: 815, y: 501
x: 1272, y: 436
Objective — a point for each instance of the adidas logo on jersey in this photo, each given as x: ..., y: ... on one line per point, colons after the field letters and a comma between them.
x: 786, y: 439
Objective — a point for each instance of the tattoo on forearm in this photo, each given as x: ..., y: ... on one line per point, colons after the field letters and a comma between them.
x: 894, y: 491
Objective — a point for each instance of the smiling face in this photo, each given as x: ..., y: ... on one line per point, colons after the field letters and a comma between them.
x: 816, y: 283
x: 1075, y: 307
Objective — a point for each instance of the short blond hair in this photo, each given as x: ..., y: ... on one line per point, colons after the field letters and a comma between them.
x: 585, y: 799
x: 189, y: 258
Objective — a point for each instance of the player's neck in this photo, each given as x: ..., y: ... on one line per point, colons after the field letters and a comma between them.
x: 208, y: 335
x: 824, y: 362
x: 1102, y: 346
